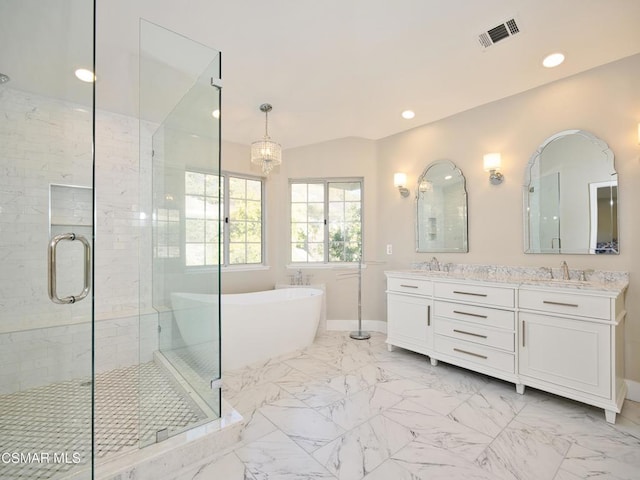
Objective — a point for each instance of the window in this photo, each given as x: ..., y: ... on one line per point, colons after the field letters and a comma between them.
x: 326, y: 221
x: 239, y: 203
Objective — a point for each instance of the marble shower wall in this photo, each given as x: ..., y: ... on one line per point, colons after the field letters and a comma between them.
x: 47, y: 141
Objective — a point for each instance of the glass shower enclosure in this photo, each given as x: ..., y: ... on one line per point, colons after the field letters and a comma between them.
x: 95, y: 360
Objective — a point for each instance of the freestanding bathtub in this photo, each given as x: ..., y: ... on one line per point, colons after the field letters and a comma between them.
x: 255, y: 326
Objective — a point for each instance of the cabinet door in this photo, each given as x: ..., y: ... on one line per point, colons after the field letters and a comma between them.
x: 568, y: 353
x: 409, y: 322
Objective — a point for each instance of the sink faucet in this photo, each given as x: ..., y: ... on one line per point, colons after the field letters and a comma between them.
x: 434, y: 265
x: 565, y: 270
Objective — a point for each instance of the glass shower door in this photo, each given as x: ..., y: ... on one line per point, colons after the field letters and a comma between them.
x: 46, y: 239
x: 184, y: 147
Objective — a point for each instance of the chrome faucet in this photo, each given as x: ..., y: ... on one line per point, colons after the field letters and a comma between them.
x: 564, y: 268
x: 434, y: 265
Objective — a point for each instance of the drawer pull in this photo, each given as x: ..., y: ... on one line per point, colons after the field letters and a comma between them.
x: 562, y: 304
x: 428, y: 315
x: 409, y: 286
x: 470, y: 293
x: 470, y: 353
x: 470, y: 314
x: 470, y: 333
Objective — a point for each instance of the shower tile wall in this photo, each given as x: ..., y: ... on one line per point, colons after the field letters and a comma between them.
x: 46, y: 141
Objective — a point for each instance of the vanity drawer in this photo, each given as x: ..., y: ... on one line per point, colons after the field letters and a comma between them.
x: 418, y: 286
x: 470, y: 313
x: 565, y: 303
x: 483, y: 294
x: 476, y: 354
x: 475, y: 333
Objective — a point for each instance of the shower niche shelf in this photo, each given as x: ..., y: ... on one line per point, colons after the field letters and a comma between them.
x: 70, y: 206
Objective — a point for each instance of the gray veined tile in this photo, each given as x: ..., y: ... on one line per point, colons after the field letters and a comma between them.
x: 228, y: 467
x: 314, y: 367
x: 452, y: 380
x: 425, y: 461
x: 582, y: 425
x: 405, y: 364
x: 584, y: 463
x: 277, y: 457
x: 524, y: 453
x: 256, y: 425
x: 624, y: 425
x: 631, y: 410
x: 348, y: 362
x: 564, y: 475
x: 437, y: 400
x: 254, y: 375
x: 249, y: 399
x: 361, y: 450
x: 390, y: 469
x: 489, y: 410
x: 437, y: 430
x: 294, y: 379
x: 362, y: 378
x: 356, y: 409
x: 314, y: 393
x: 302, y: 424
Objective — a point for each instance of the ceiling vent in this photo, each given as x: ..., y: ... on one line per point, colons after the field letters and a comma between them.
x: 498, y: 33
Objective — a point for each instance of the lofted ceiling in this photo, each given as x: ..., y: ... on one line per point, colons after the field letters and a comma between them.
x: 340, y: 68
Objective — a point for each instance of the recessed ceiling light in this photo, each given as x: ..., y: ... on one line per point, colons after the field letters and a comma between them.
x: 408, y: 114
x: 215, y: 113
x: 85, y: 75
x: 553, y: 60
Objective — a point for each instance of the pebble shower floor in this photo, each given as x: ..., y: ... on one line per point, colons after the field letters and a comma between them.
x: 57, y: 417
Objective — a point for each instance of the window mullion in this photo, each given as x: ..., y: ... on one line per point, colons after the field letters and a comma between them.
x: 327, y: 220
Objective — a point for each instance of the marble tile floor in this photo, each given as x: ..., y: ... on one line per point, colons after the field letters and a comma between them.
x: 350, y: 410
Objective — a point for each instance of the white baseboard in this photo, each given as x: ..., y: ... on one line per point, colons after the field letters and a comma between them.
x: 633, y: 392
x: 351, y: 325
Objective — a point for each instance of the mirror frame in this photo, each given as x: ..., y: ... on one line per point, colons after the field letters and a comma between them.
x: 598, y: 143
x: 455, y: 169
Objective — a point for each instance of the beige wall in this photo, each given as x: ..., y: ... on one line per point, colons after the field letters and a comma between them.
x: 348, y: 157
x: 604, y: 101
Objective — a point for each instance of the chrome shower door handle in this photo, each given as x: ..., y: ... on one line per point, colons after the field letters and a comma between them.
x: 53, y: 294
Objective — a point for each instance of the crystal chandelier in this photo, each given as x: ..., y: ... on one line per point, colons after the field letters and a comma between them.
x: 266, y: 152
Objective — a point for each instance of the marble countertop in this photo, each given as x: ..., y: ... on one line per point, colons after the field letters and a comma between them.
x: 594, y: 280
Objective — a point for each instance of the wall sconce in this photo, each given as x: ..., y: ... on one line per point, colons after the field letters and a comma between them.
x: 400, y: 181
x: 492, y: 165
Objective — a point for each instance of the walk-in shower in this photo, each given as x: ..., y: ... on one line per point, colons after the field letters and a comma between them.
x: 93, y: 238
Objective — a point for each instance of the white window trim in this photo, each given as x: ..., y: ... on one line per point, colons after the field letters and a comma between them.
x: 224, y: 266
x: 326, y: 181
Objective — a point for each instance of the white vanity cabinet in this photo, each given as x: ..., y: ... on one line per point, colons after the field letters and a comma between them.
x: 475, y: 327
x: 409, y: 310
x: 563, y: 339
x: 571, y: 344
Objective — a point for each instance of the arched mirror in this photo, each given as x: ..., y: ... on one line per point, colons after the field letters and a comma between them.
x: 441, y: 203
x: 571, y: 196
